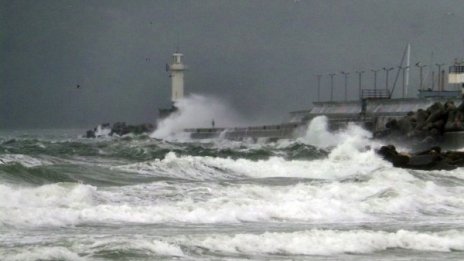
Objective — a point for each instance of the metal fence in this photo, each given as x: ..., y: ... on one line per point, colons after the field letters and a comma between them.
x: 375, y: 94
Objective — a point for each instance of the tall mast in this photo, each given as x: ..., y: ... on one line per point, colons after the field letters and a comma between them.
x: 408, y: 56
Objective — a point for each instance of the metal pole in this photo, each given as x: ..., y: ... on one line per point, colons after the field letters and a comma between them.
x: 359, y: 81
x: 375, y: 78
x: 442, y: 80
x: 421, y: 67
x: 387, y: 71
x: 439, y: 65
x: 346, y: 84
x: 404, y: 80
x: 433, y: 81
x: 331, y: 85
x: 319, y: 87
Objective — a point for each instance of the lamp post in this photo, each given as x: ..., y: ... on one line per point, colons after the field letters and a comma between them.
x: 387, y: 71
x: 375, y: 78
x: 346, y: 84
x: 421, y: 67
x: 319, y: 87
x: 404, y: 79
x: 439, y: 65
x: 332, y: 75
x: 359, y: 81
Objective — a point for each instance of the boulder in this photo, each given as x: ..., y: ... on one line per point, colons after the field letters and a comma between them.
x: 90, y: 134
x: 425, y: 125
x: 121, y: 129
x: 430, y: 159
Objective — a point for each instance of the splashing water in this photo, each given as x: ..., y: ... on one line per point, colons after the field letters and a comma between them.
x: 323, y: 196
x: 197, y: 111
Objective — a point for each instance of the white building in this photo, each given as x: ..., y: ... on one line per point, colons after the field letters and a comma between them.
x: 176, y: 72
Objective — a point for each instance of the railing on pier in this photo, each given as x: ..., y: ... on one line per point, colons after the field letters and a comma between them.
x: 375, y: 94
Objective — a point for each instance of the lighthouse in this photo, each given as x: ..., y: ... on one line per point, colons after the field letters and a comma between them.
x: 176, y: 73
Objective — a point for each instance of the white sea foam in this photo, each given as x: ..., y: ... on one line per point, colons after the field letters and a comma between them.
x: 196, y: 111
x: 318, y: 134
x: 102, y: 132
x: 330, y: 242
x: 153, y: 246
x: 48, y: 205
x: 343, y: 161
x: 351, y: 184
x: 325, y: 242
x: 386, y: 194
x: 26, y: 161
x: 41, y: 253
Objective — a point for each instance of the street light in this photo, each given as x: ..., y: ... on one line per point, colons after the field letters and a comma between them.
x: 404, y: 79
x: 319, y: 87
x: 359, y: 80
x: 375, y: 78
x: 439, y: 65
x: 421, y: 67
x: 332, y: 75
x: 346, y: 84
x: 387, y: 71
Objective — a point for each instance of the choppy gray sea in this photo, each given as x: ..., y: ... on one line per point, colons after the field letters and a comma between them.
x: 322, y: 197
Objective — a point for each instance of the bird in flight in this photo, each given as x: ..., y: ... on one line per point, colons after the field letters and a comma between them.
x: 78, y: 86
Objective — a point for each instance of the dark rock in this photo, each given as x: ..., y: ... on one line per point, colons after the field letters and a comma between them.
x: 431, y: 159
x: 121, y: 129
x: 449, y: 105
x: 424, y: 127
x: 90, y: 134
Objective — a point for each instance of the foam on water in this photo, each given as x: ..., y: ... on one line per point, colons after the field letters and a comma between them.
x: 102, y: 132
x: 196, y: 111
x: 313, y: 242
x: 41, y: 253
x: 318, y: 134
x: 153, y: 246
x: 351, y: 184
x: 221, y: 188
x: 349, y: 157
x: 56, y: 204
x: 329, y: 242
x: 24, y: 160
x: 382, y: 195
x: 338, y: 165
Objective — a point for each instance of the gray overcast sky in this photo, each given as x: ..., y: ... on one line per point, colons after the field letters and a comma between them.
x: 261, y: 56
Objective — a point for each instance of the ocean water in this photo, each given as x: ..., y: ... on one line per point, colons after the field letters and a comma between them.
x: 326, y: 196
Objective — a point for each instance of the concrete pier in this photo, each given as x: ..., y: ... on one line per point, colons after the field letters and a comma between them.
x: 272, y: 132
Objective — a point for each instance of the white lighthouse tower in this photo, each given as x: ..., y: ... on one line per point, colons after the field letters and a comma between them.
x: 176, y: 72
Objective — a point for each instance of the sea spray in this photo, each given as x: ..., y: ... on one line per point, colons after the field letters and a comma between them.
x: 318, y: 134
x: 197, y: 111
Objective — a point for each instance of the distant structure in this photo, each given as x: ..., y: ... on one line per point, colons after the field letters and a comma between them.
x: 456, y: 75
x: 176, y: 73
